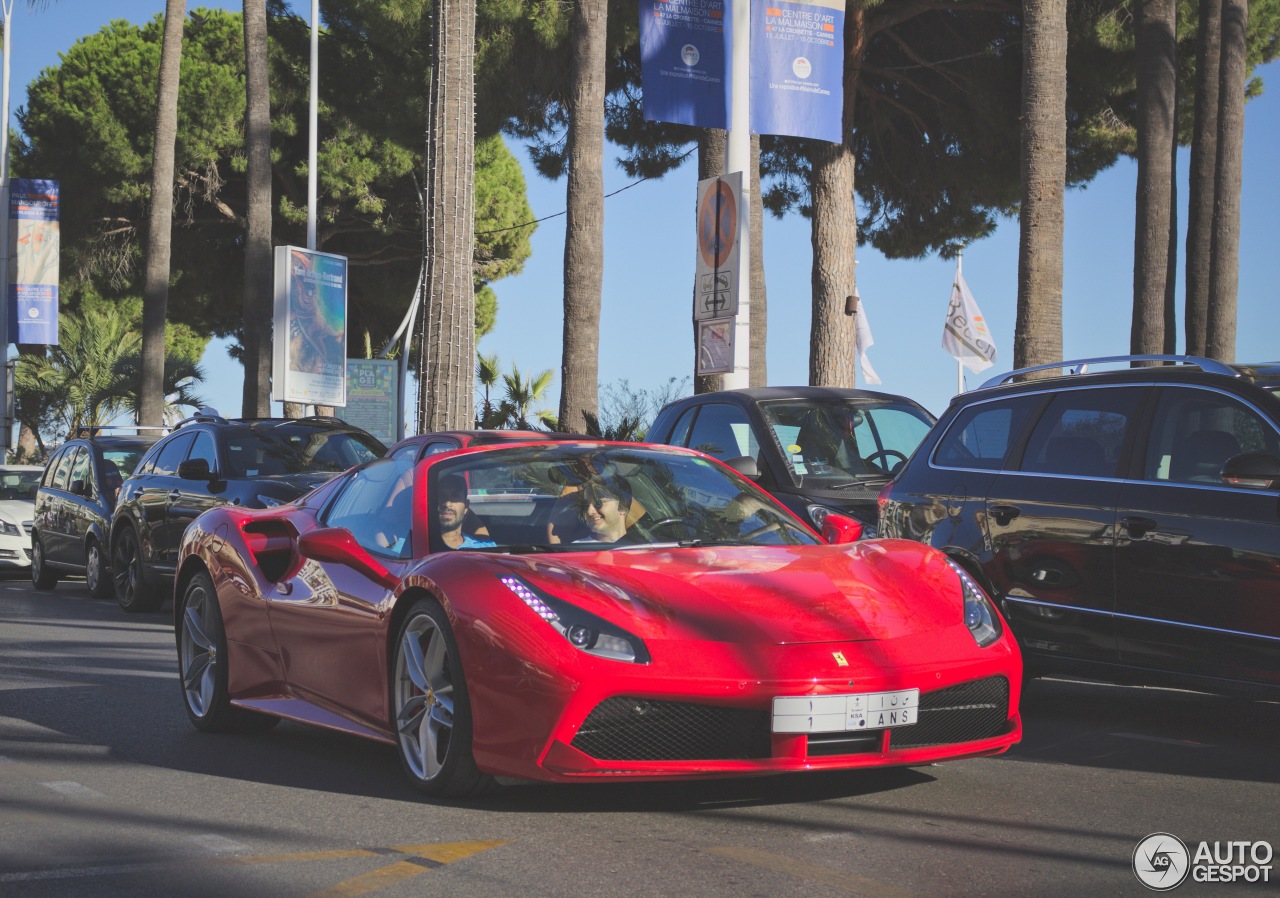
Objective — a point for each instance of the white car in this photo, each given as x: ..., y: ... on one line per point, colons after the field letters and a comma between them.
x: 18, y: 485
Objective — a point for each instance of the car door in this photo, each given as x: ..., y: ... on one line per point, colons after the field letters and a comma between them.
x: 1051, y: 521
x: 79, y: 512
x: 51, y: 500
x: 153, y: 491
x: 57, y: 537
x: 328, y: 611
x: 1197, y: 559
x: 188, y: 498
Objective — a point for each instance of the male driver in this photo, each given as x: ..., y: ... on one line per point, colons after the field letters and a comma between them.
x: 451, y: 511
x: 603, y: 506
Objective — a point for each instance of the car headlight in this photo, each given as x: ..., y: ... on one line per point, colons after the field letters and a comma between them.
x: 979, y: 614
x: 9, y: 529
x: 818, y: 514
x: 269, y: 501
x: 582, y: 629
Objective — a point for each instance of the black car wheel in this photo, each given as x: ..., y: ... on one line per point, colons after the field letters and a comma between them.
x: 42, y: 576
x: 432, y: 712
x: 95, y: 572
x: 132, y: 592
x: 202, y: 665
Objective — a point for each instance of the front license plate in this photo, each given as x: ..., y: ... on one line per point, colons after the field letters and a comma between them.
x: 845, y: 713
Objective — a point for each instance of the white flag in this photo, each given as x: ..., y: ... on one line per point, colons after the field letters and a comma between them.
x: 966, y: 336
x: 864, y: 341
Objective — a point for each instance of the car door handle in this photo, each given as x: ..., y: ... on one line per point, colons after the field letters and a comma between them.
x: 1139, y: 527
x: 174, y: 494
x: 1003, y: 514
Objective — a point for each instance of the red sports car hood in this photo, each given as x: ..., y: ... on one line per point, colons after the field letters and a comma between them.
x: 881, y: 589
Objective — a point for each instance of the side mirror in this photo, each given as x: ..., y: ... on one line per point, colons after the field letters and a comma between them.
x: 745, y: 465
x: 1254, y: 470
x: 336, y: 545
x: 195, y: 469
x: 79, y: 488
x: 838, y: 528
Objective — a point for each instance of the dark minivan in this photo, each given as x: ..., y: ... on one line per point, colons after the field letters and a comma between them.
x: 817, y: 449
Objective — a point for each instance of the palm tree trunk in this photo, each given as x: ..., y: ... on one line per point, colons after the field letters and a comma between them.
x: 256, y: 398
x: 1037, y: 335
x: 834, y: 234
x: 1224, y: 255
x: 1157, y: 58
x: 759, y: 323
x: 1204, y: 163
x: 448, y: 337
x: 584, y: 228
x: 713, y: 147
x: 155, y: 291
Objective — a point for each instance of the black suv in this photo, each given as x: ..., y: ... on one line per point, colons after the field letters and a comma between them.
x: 207, y: 461
x: 74, y: 504
x: 1128, y: 520
x: 817, y: 449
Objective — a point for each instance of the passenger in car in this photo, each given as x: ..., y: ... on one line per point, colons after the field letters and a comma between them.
x: 452, y: 510
x: 603, y: 506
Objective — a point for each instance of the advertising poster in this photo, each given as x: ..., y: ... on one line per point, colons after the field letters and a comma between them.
x: 715, y: 346
x: 33, y: 267
x: 309, y: 362
x: 797, y: 68
x: 373, y: 397
x: 684, y: 61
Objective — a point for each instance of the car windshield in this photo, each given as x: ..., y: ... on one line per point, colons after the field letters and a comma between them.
x: 567, y: 497
x: 832, y: 443
x: 295, y: 449
x: 19, y: 484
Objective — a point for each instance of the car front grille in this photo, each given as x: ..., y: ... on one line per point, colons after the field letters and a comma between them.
x: 634, y: 729
x: 963, y: 713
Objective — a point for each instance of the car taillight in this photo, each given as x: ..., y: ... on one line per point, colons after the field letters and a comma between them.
x: 883, y: 499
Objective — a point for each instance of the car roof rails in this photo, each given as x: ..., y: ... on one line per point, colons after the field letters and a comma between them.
x: 207, y: 413
x: 88, y: 432
x: 1081, y: 366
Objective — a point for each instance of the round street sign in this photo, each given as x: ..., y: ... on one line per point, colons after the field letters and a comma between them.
x: 717, y: 223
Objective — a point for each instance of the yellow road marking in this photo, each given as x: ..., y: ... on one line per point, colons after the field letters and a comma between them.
x: 836, y: 879
x: 434, y: 855
x: 298, y: 856
x: 449, y: 851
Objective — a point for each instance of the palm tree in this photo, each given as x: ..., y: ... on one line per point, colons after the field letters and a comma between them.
x: 1157, y: 62
x: 1224, y: 256
x: 1037, y: 337
x: 1204, y: 162
x: 584, y: 228
x: 521, y: 395
x: 256, y: 398
x: 487, y: 375
x: 155, y: 291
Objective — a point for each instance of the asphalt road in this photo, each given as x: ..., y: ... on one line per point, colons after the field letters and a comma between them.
x: 105, y: 789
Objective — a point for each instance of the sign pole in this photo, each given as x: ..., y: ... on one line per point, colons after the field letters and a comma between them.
x: 6, y: 423
x: 959, y: 364
x: 738, y: 159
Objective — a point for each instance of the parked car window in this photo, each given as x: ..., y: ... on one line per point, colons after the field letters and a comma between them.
x: 1195, y: 431
x: 376, y: 506
x: 680, y: 434
x: 982, y: 435
x: 204, y: 448
x: 439, y: 446
x: 838, y: 440
x: 18, y: 484
x: 125, y: 460
x: 723, y: 431
x: 1082, y: 432
x: 295, y: 449
x: 172, y: 454
x: 80, y: 468
x: 410, y: 452
x: 52, y: 467
x: 62, y: 476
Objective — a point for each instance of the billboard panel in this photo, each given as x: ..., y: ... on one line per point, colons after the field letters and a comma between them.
x: 797, y: 68
x: 309, y: 362
x: 373, y: 397
x: 683, y: 62
x: 34, y: 239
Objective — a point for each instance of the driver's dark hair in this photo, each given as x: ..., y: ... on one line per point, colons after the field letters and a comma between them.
x: 596, y: 489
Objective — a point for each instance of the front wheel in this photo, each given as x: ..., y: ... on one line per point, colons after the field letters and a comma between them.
x: 95, y: 572
x: 202, y: 664
x: 128, y: 573
x: 432, y: 712
x: 43, y: 577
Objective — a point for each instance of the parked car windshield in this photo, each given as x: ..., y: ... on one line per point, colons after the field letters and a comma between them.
x: 294, y: 449
x: 19, y: 484
x: 831, y: 443
x: 585, y: 498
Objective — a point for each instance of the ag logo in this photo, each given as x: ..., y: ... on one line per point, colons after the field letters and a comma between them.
x: 1161, y: 862
x: 841, y: 660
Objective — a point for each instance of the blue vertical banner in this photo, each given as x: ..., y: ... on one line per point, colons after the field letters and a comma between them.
x: 797, y: 68
x: 683, y: 53
x: 34, y: 240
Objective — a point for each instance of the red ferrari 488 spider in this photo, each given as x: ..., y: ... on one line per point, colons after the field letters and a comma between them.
x: 583, y: 611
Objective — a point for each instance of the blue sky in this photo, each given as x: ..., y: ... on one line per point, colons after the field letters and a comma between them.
x: 646, y: 336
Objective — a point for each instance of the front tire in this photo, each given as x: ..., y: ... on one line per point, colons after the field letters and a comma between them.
x: 202, y: 665
x: 431, y: 708
x: 95, y: 571
x: 43, y: 577
x: 129, y: 574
